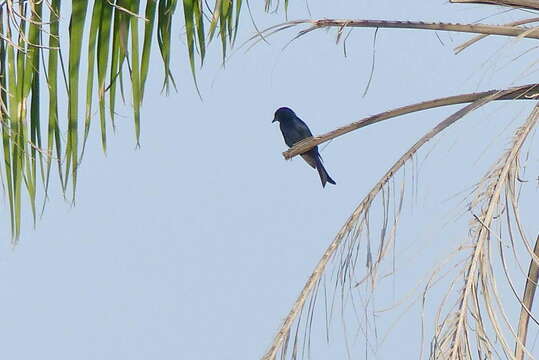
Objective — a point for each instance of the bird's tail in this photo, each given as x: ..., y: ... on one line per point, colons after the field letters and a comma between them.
x: 324, y: 176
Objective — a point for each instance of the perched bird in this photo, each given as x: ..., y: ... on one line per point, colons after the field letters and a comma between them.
x: 294, y: 130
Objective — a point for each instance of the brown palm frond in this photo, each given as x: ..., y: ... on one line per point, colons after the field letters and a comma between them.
x: 501, y: 30
x: 477, y: 38
x: 478, y: 321
x: 347, y: 237
x: 479, y: 295
x: 524, y: 4
x: 527, y: 302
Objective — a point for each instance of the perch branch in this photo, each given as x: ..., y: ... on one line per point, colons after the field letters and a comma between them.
x: 525, y: 92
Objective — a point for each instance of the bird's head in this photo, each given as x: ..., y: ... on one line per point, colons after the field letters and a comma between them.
x: 283, y: 113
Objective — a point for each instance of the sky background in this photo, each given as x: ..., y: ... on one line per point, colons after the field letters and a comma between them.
x: 196, y: 245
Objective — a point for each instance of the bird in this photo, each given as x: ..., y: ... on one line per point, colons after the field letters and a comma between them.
x: 295, y: 130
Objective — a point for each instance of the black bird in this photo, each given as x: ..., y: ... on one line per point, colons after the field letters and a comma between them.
x: 294, y: 130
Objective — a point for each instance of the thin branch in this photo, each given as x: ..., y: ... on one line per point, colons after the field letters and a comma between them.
x: 526, y: 92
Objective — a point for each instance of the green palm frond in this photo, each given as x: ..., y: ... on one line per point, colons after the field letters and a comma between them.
x: 38, y: 61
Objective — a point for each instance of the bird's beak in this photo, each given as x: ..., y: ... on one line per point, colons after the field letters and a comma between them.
x: 274, y: 119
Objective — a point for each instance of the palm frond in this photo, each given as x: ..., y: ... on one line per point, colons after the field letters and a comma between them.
x: 479, y: 301
x: 347, y: 238
x: 524, y: 4
x: 478, y: 322
x: 501, y: 30
x: 108, y: 34
x: 527, y: 302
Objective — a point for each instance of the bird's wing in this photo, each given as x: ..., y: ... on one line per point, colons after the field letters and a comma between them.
x: 303, y: 127
x: 294, y: 130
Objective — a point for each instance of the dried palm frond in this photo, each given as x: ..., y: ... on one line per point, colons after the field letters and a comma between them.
x: 527, y: 302
x: 524, y: 4
x: 475, y: 39
x: 477, y: 322
x: 479, y: 310
x: 347, y: 238
x: 510, y: 30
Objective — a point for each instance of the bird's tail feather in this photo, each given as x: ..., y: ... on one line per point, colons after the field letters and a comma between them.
x: 324, y: 176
